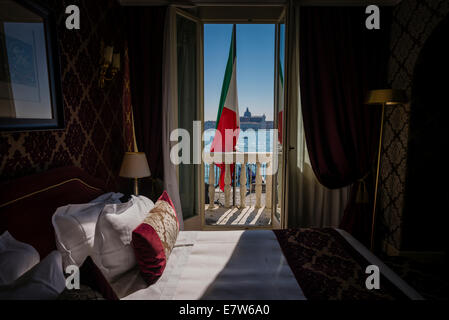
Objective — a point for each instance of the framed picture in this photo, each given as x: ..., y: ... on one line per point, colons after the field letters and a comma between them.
x: 30, y: 84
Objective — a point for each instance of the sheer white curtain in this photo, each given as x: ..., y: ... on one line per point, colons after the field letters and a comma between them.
x: 170, y: 109
x: 317, y: 205
x: 309, y: 203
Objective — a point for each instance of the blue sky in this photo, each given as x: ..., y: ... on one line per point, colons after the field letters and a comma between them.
x: 255, y: 67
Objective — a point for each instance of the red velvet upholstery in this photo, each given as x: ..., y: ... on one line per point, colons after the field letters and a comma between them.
x: 150, y: 254
x: 29, y: 218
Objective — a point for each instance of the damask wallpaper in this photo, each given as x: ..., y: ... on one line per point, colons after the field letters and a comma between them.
x: 413, y: 22
x: 97, y: 121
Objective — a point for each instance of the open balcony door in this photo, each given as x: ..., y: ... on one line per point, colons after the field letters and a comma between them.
x: 189, y: 59
x: 190, y: 91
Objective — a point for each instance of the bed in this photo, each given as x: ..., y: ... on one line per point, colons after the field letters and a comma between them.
x: 298, y: 264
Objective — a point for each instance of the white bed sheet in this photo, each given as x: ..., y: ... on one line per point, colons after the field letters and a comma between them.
x: 231, y: 265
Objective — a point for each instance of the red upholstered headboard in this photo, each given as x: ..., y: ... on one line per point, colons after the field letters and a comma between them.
x: 27, y: 204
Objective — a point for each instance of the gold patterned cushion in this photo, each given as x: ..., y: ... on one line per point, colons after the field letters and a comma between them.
x: 164, y: 221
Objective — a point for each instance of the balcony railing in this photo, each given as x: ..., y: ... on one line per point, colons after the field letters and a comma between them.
x: 253, y: 171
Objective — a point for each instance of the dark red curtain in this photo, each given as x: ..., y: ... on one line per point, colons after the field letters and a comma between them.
x: 144, y: 32
x: 340, y: 61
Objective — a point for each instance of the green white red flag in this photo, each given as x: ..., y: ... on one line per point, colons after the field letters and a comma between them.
x: 228, y: 117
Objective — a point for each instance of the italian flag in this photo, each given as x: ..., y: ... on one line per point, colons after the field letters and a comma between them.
x: 228, y: 117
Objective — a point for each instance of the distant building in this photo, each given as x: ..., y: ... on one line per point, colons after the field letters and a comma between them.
x: 248, y: 121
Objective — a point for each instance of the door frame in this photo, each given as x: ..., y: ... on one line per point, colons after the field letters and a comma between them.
x: 200, y: 109
x: 274, y: 222
x: 199, y: 170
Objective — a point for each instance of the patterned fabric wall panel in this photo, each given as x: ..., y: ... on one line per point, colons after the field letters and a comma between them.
x: 93, y: 137
x: 413, y: 22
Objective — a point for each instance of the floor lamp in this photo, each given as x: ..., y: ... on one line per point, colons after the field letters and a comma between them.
x: 383, y: 97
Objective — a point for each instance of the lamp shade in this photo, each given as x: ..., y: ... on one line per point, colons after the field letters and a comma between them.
x: 387, y: 96
x: 134, y: 165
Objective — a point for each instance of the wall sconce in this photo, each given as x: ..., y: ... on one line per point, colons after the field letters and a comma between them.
x: 109, y: 64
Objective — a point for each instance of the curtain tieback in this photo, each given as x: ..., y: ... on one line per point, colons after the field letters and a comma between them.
x: 362, y: 195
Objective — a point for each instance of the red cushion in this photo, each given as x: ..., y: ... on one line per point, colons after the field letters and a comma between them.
x: 165, y: 197
x: 150, y: 254
x: 150, y: 250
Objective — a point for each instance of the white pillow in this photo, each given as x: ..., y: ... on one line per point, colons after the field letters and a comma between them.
x: 125, y: 223
x: 74, y: 226
x: 113, y: 253
x: 16, y: 258
x: 44, y: 281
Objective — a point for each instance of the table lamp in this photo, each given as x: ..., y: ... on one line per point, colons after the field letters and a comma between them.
x: 383, y: 97
x: 135, y: 166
